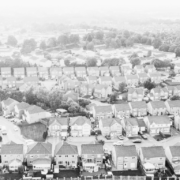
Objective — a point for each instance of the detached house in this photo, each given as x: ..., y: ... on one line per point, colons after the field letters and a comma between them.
x: 143, y: 77
x: 19, y: 72
x: 159, y: 94
x: 102, y: 91
x: 157, y: 108
x: 104, y: 71
x: 80, y: 126
x: 8, y: 106
x: 55, y: 72
x: 117, y: 80
x: 105, y: 80
x: 135, y: 94
x: 125, y: 158
x: 139, y: 69
x: 138, y: 108
x: 150, y: 69
x: 157, y: 124
x: 39, y: 156
x: 43, y: 72
x: 6, y: 72
x: 110, y: 126
x: 92, y: 156
x: 12, y: 155
x: 31, y: 71
x: 101, y: 112
x: 173, y: 107
x: 93, y: 71
x: 66, y: 155
x: 19, y: 109
x: 114, y: 70
x: 132, y: 80
x: 155, y: 77
x: 121, y: 110
x: 80, y: 71
x: 68, y: 71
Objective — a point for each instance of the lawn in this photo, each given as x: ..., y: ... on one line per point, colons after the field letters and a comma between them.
x: 33, y: 131
x: 10, y: 176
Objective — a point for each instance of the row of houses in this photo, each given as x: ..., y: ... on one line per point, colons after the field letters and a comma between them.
x: 39, y: 156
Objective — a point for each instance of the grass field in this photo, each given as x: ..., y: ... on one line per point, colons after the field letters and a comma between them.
x: 33, y: 131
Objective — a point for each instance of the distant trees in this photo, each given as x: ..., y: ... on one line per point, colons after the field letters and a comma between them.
x: 63, y: 39
x: 28, y: 46
x: 135, y: 61
x: 175, y: 97
x: 42, y: 45
x: 157, y: 43
x: 161, y: 64
x: 91, y: 62
x: 45, y: 134
x: 51, y: 42
x: 90, y: 46
x: 149, y: 84
x: 122, y: 87
x: 12, y: 41
x: 113, y: 62
x: 164, y: 47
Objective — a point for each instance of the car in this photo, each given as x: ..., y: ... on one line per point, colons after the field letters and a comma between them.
x: 29, y: 141
x: 121, y: 137
x: 108, y: 137
x: 15, y: 128
x: 144, y: 136
x: 118, y: 143
x: 8, y: 116
x: 137, y: 140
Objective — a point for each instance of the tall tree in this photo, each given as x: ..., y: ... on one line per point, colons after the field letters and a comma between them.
x: 12, y: 41
x: 43, y: 45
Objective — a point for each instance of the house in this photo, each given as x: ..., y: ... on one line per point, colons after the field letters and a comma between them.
x: 135, y: 94
x: 117, y: 80
x: 173, y: 107
x: 19, y: 109
x: 91, y: 79
x: 130, y: 125
x: 121, y: 110
x: 43, y: 72
x: 92, y: 156
x: 139, y: 69
x: 1, y: 81
x: 104, y: 71
x: 86, y: 89
x: 39, y: 156
x: 8, y: 106
x: 80, y: 126
x: 11, y: 81
x: 177, y: 68
x: 110, y: 126
x: 66, y: 155
x: 19, y: 72
x: 152, y: 158
x: 105, y: 80
x: 31, y: 80
x: 102, y: 112
x: 138, y: 108
x: 58, y: 126
x: 114, y: 70
x: 132, y: 80
x: 143, y: 77
x: 68, y: 71
x: 141, y: 125
x: 177, y: 121
x: 155, y: 77
x: 159, y: 93
x: 93, y: 71
x: 80, y: 71
x: 34, y: 114
x: 125, y: 158
x: 126, y: 69
x: 69, y: 84
x: 55, y: 72
x: 12, y: 155
x: 157, y: 108
x: 102, y: 91
x: 31, y: 72
x: 173, y: 156
x: 173, y: 90
x: 150, y: 68
x: 158, y: 124
x: 5, y: 72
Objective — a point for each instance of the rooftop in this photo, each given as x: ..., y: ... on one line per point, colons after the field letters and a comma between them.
x: 92, y: 149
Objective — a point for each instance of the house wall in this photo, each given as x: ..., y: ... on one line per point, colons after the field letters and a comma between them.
x: 6, y: 158
x: 126, y: 163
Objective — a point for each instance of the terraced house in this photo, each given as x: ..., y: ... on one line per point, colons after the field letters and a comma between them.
x: 117, y: 81
x: 102, y: 91
x: 135, y: 94
x: 69, y: 71
x: 93, y: 71
x: 104, y: 71
x: 143, y: 77
x: 155, y: 77
x: 19, y: 109
x: 173, y: 107
x: 139, y: 69
x: 80, y: 71
x: 138, y: 108
x: 31, y: 72
x: 105, y: 80
x: 19, y: 72
x: 6, y: 72
x: 43, y: 72
x: 114, y: 71
x: 159, y: 93
x: 55, y: 72
x: 132, y: 80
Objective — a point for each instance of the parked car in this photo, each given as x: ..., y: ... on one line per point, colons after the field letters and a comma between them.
x: 8, y: 116
x: 144, y: 136
x: 108, y: 137
x: 118, y: 143
x: 121, y: 137
x: 137, y: 140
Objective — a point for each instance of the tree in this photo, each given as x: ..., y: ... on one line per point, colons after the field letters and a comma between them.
x: 51, y: 42
x: 45, y: 134
x: 12, y: 41
x: 17, y: 95
x: 90, y: 46
x: 63, y: 39
x: 74, y: 38
x: 135, y: 61
x: 149, y: 85
x: 172, y: 48
x: 122, y: 87
x: 113, y: 43
x: 91, y: 62
x: 164, y: 47
x: 157, y: 43
x: 67, y: 62
x: 28, y: 46
x: 129, y: 42
x: 175, y: 97
x: 99, y: 35
x: 43, y: 45
x: 177, y: 51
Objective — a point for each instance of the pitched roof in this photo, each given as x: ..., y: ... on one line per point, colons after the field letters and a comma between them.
x: 132, y: 121
x: 80, y: 120
x: 125, y: 151
x: 40, y: 148
x: 22, y: 105
x: 68, y: 69
x: 21, y: 70
x: 34, y: 109
x: 43, y: 69
x: 139, y: 67
x: 153, y: 151
x: 10, y: 79
x: 92, y: 149
x: 59, y: 120
x: 138, y: 104
x: 119, y: 79
x: 131, y: 76
x: 175, y: 103
x: 105, y: 78
x: 108, y: 122
x: 158, y: 104
x: 31, y: 69
x: 65, y: 148
x: 31, y: 79
x: 103, y: 109
x: 55, y: 70
x: 139, y: 90
x: 9, y: 101
x: 159, y: 119
x: 141, y: 123
x: 143, y: 75
x: 104, y: 68
x: 93, y: 68
x: 150, y: 67
x: 154, y: 74
x: 80, y: 69
x: 5, y: 69
x: 122, y: 107
x: 12, y: 149
x: 114, y: 68
x: 159, y: 89
x: 175, y: 151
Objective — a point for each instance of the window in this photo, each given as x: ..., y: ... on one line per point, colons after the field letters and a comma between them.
x: 73, y: 161
x: 31, y: 156
x: 89, y: 160
x: 66, y: 155
x: 30, y: 162
x: 59, y: 156
x: 6, y: 161
x: 60, y: 162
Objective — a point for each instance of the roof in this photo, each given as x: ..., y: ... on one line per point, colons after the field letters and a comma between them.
x: 65, y: 148
x: 175, y: 103
x: 159, y: 89
x: 119, y: 79
x: 92, y: 77
x: 153, y: 151
x: 100, y: 86
x: 143, y: 75
x: 139, y: 67
x: 159, y: 119
x: 158, y: 104
x: 132, y: 121
x: 141, y: 123
x: 5, y: 69
x: 154, y: 74
x: 131, y: 76
x: 12, y: 149
x: 9, y: 101
x: 125, y: 151
x: 93, y: 68
x: 55, y: 69
x: 41, y: 161
x: 105, y: 78
x: 139, y: 90
x: 68, y: 69
x: 42, y: 69
x: 92, y: 149
x: 103, y: 68
x: 138, y: 104
x: 11, y: 79
x: 175, y: 151
x: 80, y: 120
x: 21, y: 70
x: 107, y: 122
x: 150, y: 67
x: 122, y: 107
x: 114, y: 68
x: 34, y: 109
x: 22, y: 105
x: 80, y: 69
x: 59, y: 120
x: 103, y: 109
x: 31, y: 79
x: 40, y: 148
x: 31, y: 69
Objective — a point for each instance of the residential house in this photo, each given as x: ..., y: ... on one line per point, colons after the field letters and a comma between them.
x: 104, y: 71
x: 80, y: 71
x: 8, y: 106
x: 31, y: 80
x: 159, y: 93
x: 19, y: 109
x: 93, y: 71
x: 130, y: 125
x: 102, y: 91
x: 91, y: 79
x: 69, y: 84
x: 138, y: 108
x: 126, y: 69
x: 150, y: 68
x: 158, y: 124
x: 43, y: 72
x: 135, y: 94
x: 31, y: 72
x: 105, y: 80
x: 110, y: 126
x: 117, y: 80
x: 177, y: 122
x: 139, y: 69
x: 125, y: 158
x: 173, y: 90
x: 114, y: 70
x: 121, y: 110
x: 55, y: 72
x: 66, y: 155
x: 12, y: 155
x: 11, y: 81
x: 34, y: 114
x: 102, y: 112
x: 5, y: 72
x: 141, y: 125
x: 132, y: 80
x: 173, y: 107
x: 80, y: 126
x: 155, y: 77
x: 58, y: 126
x: 143, y: 77
x: 39, y: 156
x: 92, y: 156
x: 152, y: 158
x: 173, y: 156
x: 157, y: 108
x: 19, y: 72
x: 69, y: 71
x: 86, y: 89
